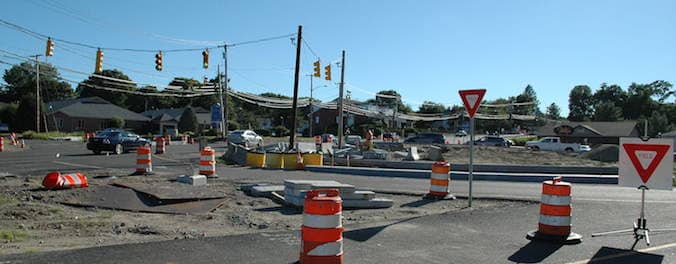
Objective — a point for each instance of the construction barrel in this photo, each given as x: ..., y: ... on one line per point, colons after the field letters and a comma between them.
x: 555, y: 213
x: 159, y: 145
x: 143, y: 160
x: 322, y: 230
x: 440, y: 179
x: 56, y: 180
x: 207, y: 166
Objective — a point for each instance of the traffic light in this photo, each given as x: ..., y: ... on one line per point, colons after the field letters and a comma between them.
x: 158, y: 61
x: 327, y: 72
x: 99, y: 61
x: 318, y: 69
x: 205, y: 59
x: 50, y: 48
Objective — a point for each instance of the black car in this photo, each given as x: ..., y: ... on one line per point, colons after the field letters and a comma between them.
x: 427, y: 138
x: 116, y: 140
x: 496, y: 141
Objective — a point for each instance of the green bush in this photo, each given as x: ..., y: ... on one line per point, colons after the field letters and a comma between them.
x: 233, y: 125
x: 263, y: 132
x: 281, y: 131
x: 521, y: 141
x: 210, y: 132
x: 117, y: 122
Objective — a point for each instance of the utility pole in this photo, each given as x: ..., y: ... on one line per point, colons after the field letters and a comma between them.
x: 312, y: 88
x: 224, y: 95
x: 292, y: 137
x: 37, y: 94
x: 219, y: 87
x: 340, y: 102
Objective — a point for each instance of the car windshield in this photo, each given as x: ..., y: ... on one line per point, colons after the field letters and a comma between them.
x: 236, y: 133
x: 108, y: 134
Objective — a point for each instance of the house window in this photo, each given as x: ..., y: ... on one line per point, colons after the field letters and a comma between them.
x: 103, y: 124
x: 80, y: 124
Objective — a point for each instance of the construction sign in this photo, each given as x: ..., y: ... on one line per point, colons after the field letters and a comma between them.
x: 472, y: 100
x: 646, y: 163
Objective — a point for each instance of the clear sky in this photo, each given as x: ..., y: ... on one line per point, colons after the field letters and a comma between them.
x: 426, y: 50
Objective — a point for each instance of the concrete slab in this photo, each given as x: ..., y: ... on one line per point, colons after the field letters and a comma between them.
x: 376, y: 203
x: 265, y: 190
x: 194, y: 180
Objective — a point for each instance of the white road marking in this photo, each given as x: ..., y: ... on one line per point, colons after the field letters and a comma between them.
x: 624, y: 254
x: 77, y: 165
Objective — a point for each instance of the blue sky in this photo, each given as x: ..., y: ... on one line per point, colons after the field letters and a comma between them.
x: 426, y: 50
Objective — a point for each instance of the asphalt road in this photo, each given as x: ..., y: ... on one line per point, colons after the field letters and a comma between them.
x: 493, y: 235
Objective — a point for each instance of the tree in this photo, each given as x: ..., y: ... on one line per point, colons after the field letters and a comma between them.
x: 657, y: 123
x: 8, y: 115
x: 95, y: 86
x: 607, y: 111
x: 528, y: 95
x: 390, y: 98
x: 25, y: 114
x: 429, y: 107
x: 117, y: 122
x: 188, y: 121
x: 580, y: 103
x: 21, y: 78
x: 644, y: 99
x: 553, y: 112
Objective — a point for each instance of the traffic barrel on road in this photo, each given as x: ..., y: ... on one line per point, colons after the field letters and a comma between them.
x: 167, y: 139
x: 318, y: 140
x: 144, y: 163
x: 207, y: 166
x: 440, y: 181
x: 159, y: 145
x: 56, y: 180
x: 322, y: 229
x: 555, y: 220
x: 23, y: 143
x: 184, y: 139
x: 12, y: 137
x: 2, y: 144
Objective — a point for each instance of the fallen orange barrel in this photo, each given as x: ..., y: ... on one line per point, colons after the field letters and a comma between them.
x: 56, y: 180
x: 440, y: 179
x: 144, y: 163
x: 555, y: 214
x: 322, y: 230
x: 207, y: 166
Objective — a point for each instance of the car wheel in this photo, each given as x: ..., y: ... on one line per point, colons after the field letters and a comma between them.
x: 118, y: 149
x: 568, y: 150
x: 535, y: 148
x: 97, y: 152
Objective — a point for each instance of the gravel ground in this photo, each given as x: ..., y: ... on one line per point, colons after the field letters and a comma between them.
x: 32, y: 221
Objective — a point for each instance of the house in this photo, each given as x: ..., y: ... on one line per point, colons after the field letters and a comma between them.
x: 165, y: 121
x: 90, y: 114
x: 590, y: 132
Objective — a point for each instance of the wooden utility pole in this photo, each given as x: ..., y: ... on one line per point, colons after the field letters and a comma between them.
x: 224, y: 95
x: 294, y: 112
x: 340, y: 102
x: 37, y: 94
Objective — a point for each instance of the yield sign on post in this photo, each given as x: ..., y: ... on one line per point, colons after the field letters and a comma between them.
x: 472, y: 99
x: 647, y: 163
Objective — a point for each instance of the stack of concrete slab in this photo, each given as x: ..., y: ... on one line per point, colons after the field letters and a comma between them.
x: 295, y: 191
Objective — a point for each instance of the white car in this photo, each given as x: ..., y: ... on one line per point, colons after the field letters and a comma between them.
x: 245, y: 137
x: 554, y: 144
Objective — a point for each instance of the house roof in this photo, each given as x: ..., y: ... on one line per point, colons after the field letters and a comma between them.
x: 606, y: 129
x: 93, y: 107
x: 174, y: 114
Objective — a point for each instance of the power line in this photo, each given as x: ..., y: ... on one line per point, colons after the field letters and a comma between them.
x: 310, y: 48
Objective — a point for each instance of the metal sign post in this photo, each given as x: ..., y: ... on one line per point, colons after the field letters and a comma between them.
x: 472, y: 100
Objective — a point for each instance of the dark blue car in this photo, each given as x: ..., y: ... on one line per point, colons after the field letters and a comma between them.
x: 117, y: 141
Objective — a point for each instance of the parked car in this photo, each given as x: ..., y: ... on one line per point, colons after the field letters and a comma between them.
x: 427, y: 138
x: 390, y: 136
x: 117, y: 141
x: 4, y: 127
x: 353, y: 140
x: 554, y: 144
x: 496, y: 141
x: 245, y: 137
x: 461, y: 133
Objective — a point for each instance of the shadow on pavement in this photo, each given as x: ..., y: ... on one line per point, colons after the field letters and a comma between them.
x: 419, y: 203
x: 285, y: 210
x: 616, y: 255
x: 365, y: 234
x: 534, y: 252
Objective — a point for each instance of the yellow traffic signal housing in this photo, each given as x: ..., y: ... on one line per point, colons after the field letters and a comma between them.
x: 318, y: 69
x: 50, y: 48
x: 327, y: 72
x: 158, y: 61
x: 99, y: 61
x: 205, y: 59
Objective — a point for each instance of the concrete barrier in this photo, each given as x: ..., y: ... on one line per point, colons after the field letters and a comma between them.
x: 426, y: 165
x: 460, y: 175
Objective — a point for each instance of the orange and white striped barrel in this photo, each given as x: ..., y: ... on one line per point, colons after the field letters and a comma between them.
x: 207, y: 164
x: 74, y: 180
x: 12, y: 138
x: 159, y: 145
x: 555, y: 208
x: 318, y: 140
x: 322, y: 230
x: 144, y: 163
x: 167, y: 139
x: 184, y: 139
x: 440, y: 179
x: 2, y: 144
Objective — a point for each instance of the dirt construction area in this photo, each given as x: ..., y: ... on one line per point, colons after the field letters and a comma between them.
x: 34, y: 220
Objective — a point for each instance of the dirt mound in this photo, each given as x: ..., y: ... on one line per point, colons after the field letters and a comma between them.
x: 604, y: 153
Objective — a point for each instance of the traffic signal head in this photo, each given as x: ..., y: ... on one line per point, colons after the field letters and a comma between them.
x: 205, y: 59
x: 327, y: 72
x: 50, y: 48
x: 99, y: 61
x: 318, y: 70
x: 158, y: 61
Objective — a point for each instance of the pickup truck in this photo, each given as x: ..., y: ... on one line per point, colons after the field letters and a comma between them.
x: 554, y: 144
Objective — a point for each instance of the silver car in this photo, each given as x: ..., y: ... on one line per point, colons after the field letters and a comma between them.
x: 245, y: 137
